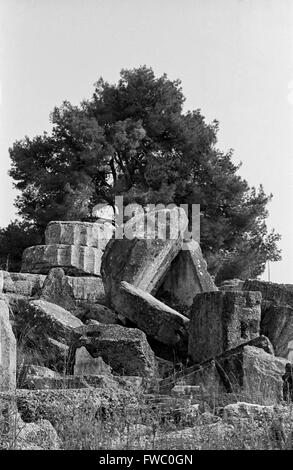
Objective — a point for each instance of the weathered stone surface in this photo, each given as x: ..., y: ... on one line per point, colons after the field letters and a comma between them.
x: 252, y: 411
x: 7, y: 351
x: 246, y: 373
x: 88, y: 311
x: 1, y: 281
x: 25, y: 284
x: 85, y: 364
x: 77, y: 233
x: 232, y: 285
x: 125, y: 350
x: 277, y: 324
x: 42, y: 378
x: 140, y: 261
x: 57, y: 322
x: 276, y: 313
x: 85, y: 288
x: 222, y: 320
x: 165, y: 368
x: 210, y: 374
x: 271, y: 292
x: 254, y: 374
x: 43, y: 331
x: 57, y: 290
x: 74, y: 259
x: 71, y: 411
x: 18, y: 435
x: 40, y: 435
x: 186, y: 277
x: 150, y: 315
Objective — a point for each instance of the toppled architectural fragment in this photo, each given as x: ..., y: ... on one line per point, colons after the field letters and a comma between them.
x: 78, y: 233
x: 125, y: 350
x: 85, y: 288
x: 276, y: 313
x: 140, y: 261
x: 57, y: 290
x: 249, y: 372
x: 222, y: 320
x: 150, y: 315
x: 169, y: 268
x: 74, y: 259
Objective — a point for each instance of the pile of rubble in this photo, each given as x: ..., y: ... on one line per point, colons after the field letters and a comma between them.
x: 84, y: 307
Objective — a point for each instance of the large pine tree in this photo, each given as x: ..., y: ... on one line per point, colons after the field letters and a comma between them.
x: 133, y: 139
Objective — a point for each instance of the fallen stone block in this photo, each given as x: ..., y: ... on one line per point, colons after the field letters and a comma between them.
x: 57, y: 290
x: 85, y: 364
x: 85, y: 288
x: 74, y: 259
x: 150, y: 315
x: 40, y: 435
x: 209, y: 373
x: 254, y: 374
x: 19, y: 435
x: 252, y: 411
x: 186, y: 277
x: 276, y: 314
x: 42, y: 378
x: 141, y: 261
x: 78, y: 233
x: 66, y: 382
x: 125, y: 350
x: 55, y: 321
x: 43, y: 331
x: 271, y: 292
x: 23, y: 284
x: 71, y: 410
x: 222, y: 320
x: 277, y: 324
x: 7, y: 351
x: 88, y: 311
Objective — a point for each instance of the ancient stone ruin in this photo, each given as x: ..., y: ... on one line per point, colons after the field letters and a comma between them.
x: 143, y: 312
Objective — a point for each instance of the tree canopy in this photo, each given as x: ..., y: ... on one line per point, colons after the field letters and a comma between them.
x: 134, y: 139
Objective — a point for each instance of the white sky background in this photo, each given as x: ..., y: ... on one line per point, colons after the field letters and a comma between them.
x: 234, y: 57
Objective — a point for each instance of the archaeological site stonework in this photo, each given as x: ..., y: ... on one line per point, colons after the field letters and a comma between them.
x: 90, y: 314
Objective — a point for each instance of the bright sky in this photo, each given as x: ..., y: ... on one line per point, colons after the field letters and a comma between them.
x: 234, y: 58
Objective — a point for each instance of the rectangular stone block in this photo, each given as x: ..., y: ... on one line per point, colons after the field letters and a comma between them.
x: 22, y: 283
x: 150, y: 315
x: 222, y: 320
x: 125, y: 350
x: 75, y: 260
x: 254, y: 374
x: 248, y: 373
x: 7, y: 351
x: 85, y: 288
x: 78, y: 233
x: 271, y: 291
x: 276, y: 314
